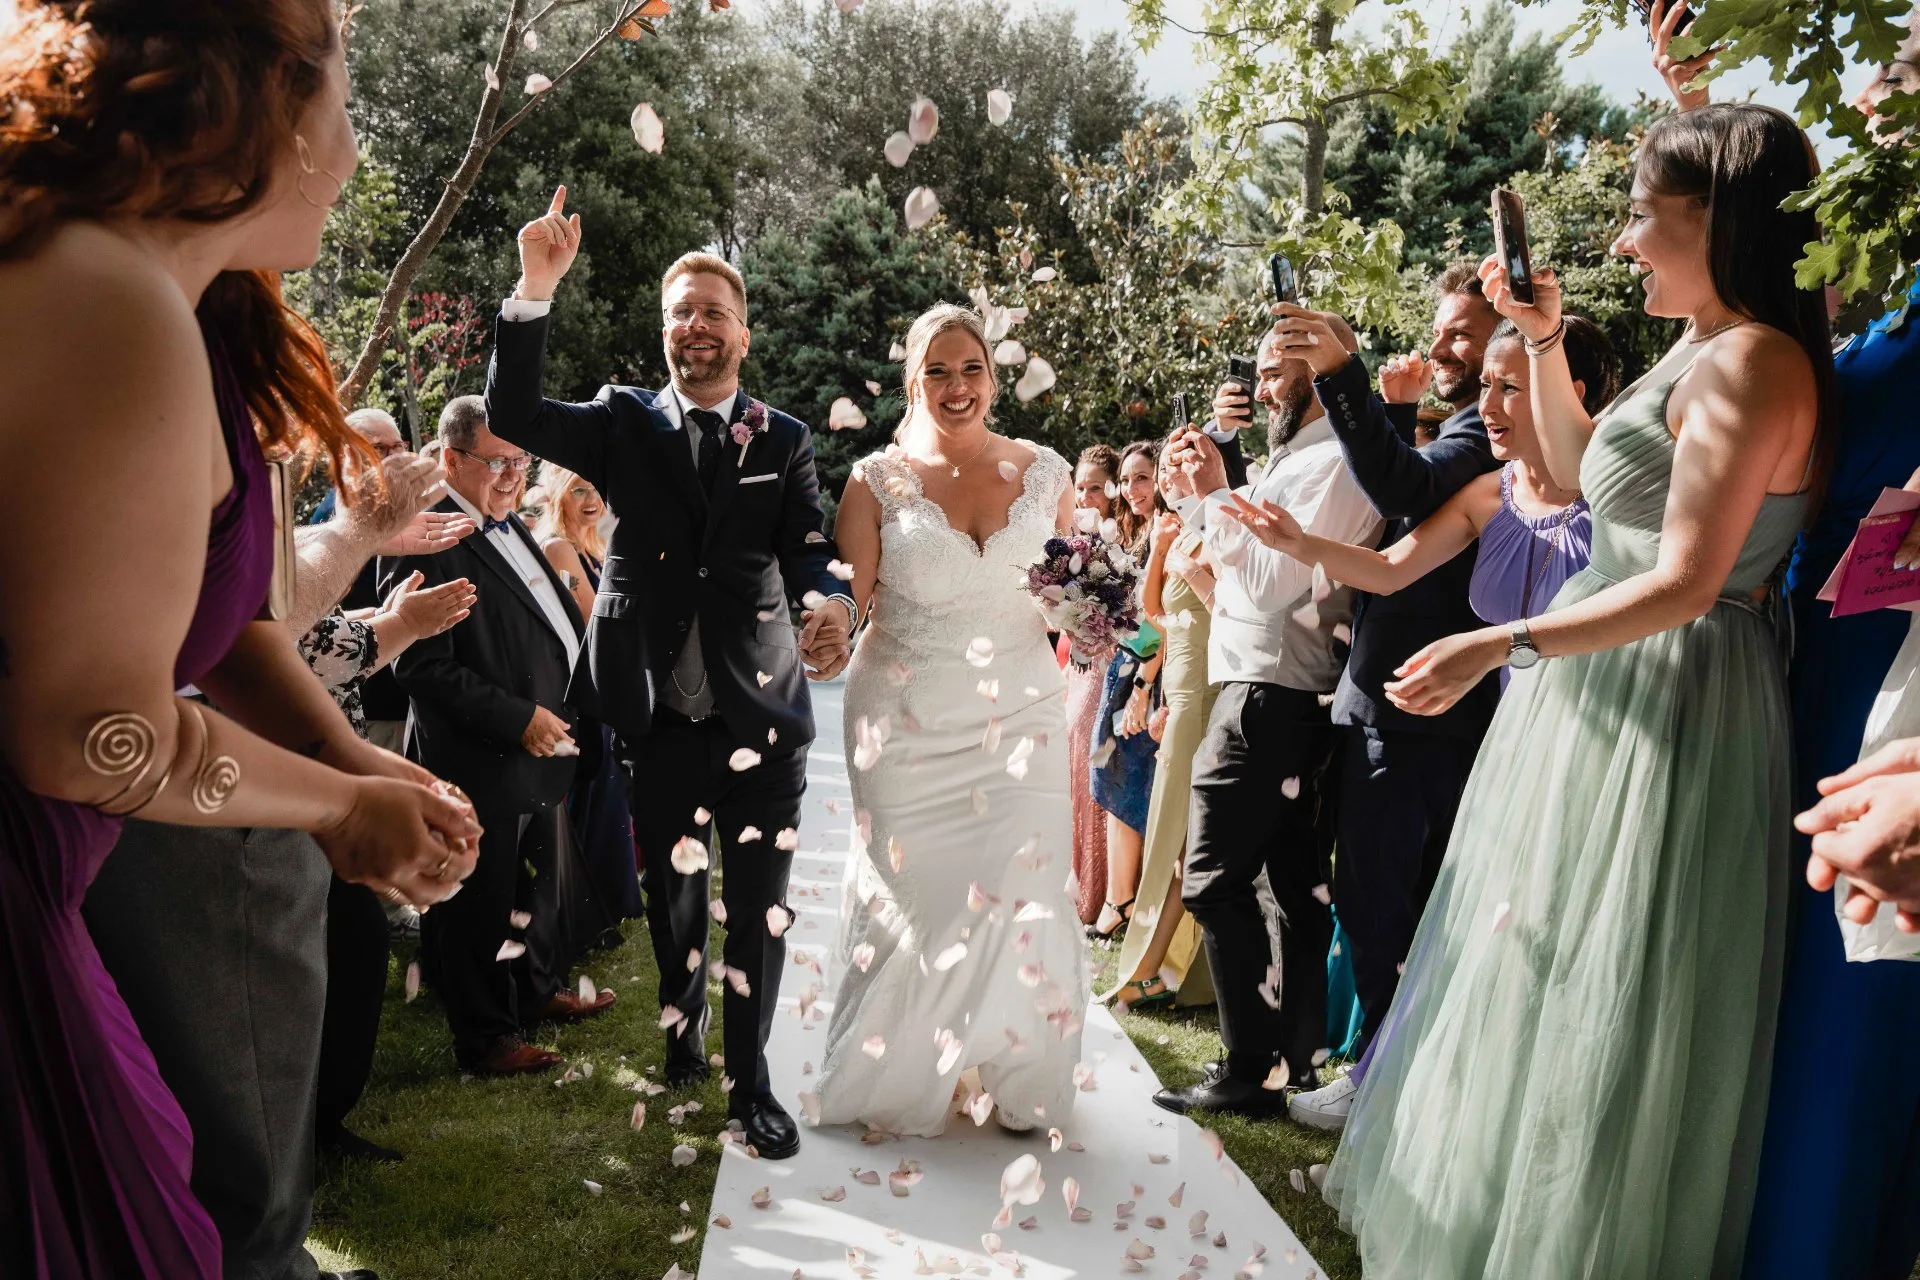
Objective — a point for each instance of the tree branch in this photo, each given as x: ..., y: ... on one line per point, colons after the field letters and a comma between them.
x: 1354, y: 95
x: 575, y: 65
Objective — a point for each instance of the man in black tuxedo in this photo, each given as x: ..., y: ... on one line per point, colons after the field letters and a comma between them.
x: 489, y: 713
x: 690, y: 656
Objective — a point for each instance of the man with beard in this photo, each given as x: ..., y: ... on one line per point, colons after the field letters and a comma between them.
x: 1400, y: 776
x: 1274, y: 652
x: 689, y: 654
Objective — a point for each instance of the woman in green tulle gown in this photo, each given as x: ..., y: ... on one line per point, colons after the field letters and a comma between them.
x: 1575, y: 1069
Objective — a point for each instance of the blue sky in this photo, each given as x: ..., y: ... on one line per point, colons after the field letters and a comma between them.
x: 1619, y: 61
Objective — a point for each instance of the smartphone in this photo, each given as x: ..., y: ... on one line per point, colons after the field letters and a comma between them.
x: 1510, y: 243
x: 1180, y: 418
x: 1645, y: 9
x: 1286, y: 288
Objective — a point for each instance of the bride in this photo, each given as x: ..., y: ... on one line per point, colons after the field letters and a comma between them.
x: 959, y: 949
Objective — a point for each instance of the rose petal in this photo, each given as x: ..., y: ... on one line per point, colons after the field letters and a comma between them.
x: 1044, y: 274
x: 718, y: 910
x: 762, y: 1197
x: 863, y: 956
x: 922, y: 205
x: 748, y: 835
x: 647, y: 129
x: 845, y: 415
x: 1297, y: 1180
x: 778, y: 920
x: 684, y: 1155
x: 588, y: 993
x: 537, y: 83
x: 743, y: 759
x: 999, y: 106
x: 950, y: 957
x: 593, y: 1188
x: 689, y: 855
x: 1009, y: 352
x: 979, y: 651
x: 492, y: 77
x: 1020, y: 1182
x: 511, y: 949
x: 786, y: 840
x: 519, y: 919
x: 1036, y: 381
x: 413, y: 982
x: 835, y: 1195
x: 923, y: 121
x: 1290, y: 788
x: 1502, y: 917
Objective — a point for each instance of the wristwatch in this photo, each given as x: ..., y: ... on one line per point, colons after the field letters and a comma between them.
x: 1520, y: 651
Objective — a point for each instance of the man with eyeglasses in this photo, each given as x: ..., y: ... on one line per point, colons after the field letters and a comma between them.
x: 690, y: 654
x: 490, y: 713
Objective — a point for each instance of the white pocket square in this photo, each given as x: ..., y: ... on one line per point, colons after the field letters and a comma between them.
x: 771, y: 475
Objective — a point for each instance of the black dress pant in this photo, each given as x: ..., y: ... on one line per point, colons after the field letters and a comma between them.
x: 1399, y: 793
x: 486, y: 997
x: 357, y: 948
x: 680, y: 766
x: 1256, y: 785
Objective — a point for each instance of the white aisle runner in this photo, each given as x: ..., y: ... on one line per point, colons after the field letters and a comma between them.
x: 818, y: 1210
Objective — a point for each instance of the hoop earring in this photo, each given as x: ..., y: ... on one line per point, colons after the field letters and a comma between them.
x: 308, y: 170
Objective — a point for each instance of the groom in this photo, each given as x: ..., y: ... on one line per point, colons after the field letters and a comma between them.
x: 689, y: 654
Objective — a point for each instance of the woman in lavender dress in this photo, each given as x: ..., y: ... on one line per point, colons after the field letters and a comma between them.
x: 161, y: 160
x: 1533, y: 534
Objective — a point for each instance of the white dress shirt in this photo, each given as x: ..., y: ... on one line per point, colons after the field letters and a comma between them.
x: 533, y: 571
x: 1262, y: 630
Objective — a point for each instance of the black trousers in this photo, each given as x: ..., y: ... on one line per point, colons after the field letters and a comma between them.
x: 1399, y: 793
x: 486, y: 997
x: 357, y: 949
x: 1248, y: 816
x: 681, y: 766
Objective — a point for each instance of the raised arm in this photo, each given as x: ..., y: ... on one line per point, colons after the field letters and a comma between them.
x: 1434, y: 541
x: 1400, y: 480
x: 1561, y: 419
x: 390, y: 518
x: 572, y: 435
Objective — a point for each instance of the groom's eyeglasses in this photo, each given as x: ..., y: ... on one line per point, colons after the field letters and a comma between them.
x: 517, y: 463
x: 713, y: 313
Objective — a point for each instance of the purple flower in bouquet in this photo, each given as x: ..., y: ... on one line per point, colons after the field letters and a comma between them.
x: 1088, y: 588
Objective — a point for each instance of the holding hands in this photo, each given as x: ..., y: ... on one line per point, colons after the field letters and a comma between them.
x: 548, y: 246
x: 826, y: 637
x: 1867, y: 827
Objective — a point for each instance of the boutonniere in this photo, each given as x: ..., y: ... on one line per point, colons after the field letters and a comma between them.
x: 752, y: 423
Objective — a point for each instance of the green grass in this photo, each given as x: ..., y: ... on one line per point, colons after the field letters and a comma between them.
x: 494, y: 1180
x: 1178, y: 1044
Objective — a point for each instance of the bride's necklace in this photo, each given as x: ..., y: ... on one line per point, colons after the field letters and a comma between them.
x: 954, y: 467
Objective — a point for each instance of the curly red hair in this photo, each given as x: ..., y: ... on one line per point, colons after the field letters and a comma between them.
x: 176, y: 109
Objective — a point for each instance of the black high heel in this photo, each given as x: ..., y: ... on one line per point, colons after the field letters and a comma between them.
x: 1122, y: 909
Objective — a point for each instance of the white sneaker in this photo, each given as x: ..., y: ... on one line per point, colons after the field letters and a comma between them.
x: 1324, y: 1108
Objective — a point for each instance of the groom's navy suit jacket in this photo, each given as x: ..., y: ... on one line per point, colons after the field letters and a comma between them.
x: 734, y: 557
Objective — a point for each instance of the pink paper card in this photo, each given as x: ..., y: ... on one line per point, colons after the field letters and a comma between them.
x: 1868, y: 579
x: 1892, y: 503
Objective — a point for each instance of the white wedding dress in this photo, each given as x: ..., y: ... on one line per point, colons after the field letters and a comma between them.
x: 959, y: 948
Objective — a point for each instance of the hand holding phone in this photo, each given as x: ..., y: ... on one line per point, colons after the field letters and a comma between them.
x: 1286, y: 286
x: 1181, y: 418
x: 1510, y: 244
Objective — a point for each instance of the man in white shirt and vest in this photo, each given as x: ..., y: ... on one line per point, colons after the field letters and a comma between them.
x: 1276, y: 648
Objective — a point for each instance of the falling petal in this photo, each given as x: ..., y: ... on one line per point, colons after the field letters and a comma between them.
x: 1044, y: 274
x: 863, y: 956
x: 988, y: 689
x: 896, y: 853
x: 1009, y: 352
x: 1139, y: 1250
x: 532, y: 41
x: 923, y: 121
x: 896, y: 353
x: 511, y: 949
x: 1082, y: 1214
x: 743, y: 759
x: 1298, y: 1180
x: 999, y: 106
x: 639, y: 1114
x: 979, y: 651
x: 684, y: 1155
x: 1277, y: 1077
x: 1318, y: 1175
x: 778, y: 919
x: 413, y: 982
x: 1197, y: 1226
x: 1179, y: 1194
x: 950, y: 1055
x: 586, y: 989
x: 593, y: 1188
x: 845, y: 415
x: 701, y: 817
x: 1020, y: 1182
x: 1290, y: 788
x: 874, y: 1047
x: 1028, y: 1224
x: 1220, y: 1240
x: 748, y: 835
x: 950, y: 957
x: 1036, y: 381
x: 1018, y: 758
x: 1322, y: 895
x: 718, y: 910
x: 1502, y: 917
x: 492, y: 78
x: 786, y: 840
x: 519, y: 919
x: 848, y: 6
x: 921, y: 207
x: 537, y: 83
x: 980, y: 1108
x: 689, y: 855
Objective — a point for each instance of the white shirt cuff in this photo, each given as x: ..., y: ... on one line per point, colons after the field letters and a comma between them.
x: 1217, y: 433
x: 1191, y: 510
x: 514, y: 310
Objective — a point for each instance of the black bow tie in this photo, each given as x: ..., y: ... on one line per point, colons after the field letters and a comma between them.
x: 488, y: 526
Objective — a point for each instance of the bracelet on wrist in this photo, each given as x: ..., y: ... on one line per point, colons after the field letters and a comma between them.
x: 1547, y: 343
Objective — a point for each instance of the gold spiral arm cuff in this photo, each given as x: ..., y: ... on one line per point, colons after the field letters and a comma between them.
x: 120, y: 744
x: 214, y: 781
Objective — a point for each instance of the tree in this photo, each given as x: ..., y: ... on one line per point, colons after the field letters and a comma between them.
x: 1868, y: 201
x: 861, y: 73
x: 519, y: 30
x: 826, y: 306
x: 1150, y: 322
x: 1293, y: 64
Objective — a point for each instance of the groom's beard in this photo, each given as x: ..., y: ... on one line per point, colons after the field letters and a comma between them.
x: 1285, y: 421
x: 703, y: 368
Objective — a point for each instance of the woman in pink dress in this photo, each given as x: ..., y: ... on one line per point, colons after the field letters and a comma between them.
x: 1093, y: 481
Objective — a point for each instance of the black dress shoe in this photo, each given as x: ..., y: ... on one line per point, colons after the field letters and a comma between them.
x: 1227, y: 1093
x: 766, y: 1126
x: 344, y: 1144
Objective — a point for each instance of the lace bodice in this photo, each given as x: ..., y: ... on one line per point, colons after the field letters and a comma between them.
x: 937, y: 590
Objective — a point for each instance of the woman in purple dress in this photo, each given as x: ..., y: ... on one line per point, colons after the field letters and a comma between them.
x: 160, y: 160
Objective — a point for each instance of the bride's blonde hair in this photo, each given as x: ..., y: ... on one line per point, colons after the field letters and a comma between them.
x: 930, y: 324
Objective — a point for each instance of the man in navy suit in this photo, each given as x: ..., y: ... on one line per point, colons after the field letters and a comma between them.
x: 690, y: 655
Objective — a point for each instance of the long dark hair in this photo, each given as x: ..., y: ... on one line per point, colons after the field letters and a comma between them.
x: 1135, y: 530
x: 176, y: 109
x: 1743, y: 160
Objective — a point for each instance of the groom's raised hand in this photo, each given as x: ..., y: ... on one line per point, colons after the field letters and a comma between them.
x: 548, y: 246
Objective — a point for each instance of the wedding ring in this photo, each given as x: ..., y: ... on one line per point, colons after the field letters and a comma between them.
x: 394, y: 896
x: 440, y: 872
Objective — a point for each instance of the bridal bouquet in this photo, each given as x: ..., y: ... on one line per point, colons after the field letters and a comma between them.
x: 1088, y: 588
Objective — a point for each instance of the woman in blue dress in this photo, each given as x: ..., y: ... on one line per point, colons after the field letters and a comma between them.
x: 1839, y: 1180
